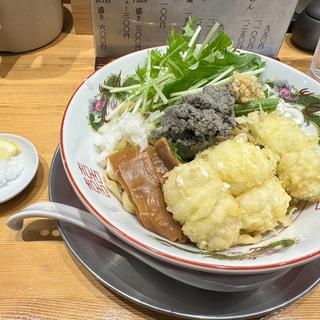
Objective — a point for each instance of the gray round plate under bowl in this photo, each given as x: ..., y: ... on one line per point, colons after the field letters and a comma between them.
x: 137, y: 282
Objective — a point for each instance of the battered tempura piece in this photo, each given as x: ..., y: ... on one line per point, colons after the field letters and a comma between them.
x: 240, y: 164
x: 265, y: 207
x: 280, y: 134
x: 219, y: 229
x: 200, y: 201
x: 227, y: 195
x: 299, y: 164
x: 300, y: 174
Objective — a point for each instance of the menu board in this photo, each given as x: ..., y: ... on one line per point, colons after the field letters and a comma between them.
x: 123, y: 26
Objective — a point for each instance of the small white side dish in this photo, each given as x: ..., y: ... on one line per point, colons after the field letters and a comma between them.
x: 29, y: 159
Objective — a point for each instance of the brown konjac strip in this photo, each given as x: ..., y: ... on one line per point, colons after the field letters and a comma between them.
x: 165, y: 153
x: 145, y: 190
x: 158, y: 164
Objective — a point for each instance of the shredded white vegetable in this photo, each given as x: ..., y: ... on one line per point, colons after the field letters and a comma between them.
x: 130, y: 127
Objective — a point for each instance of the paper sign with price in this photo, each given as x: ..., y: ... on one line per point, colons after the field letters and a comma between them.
x: 123, y: 26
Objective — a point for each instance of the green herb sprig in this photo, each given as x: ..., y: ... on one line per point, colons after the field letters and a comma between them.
x: 184, y: 68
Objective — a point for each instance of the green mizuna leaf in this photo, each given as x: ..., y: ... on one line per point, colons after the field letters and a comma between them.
x: 185, y: 67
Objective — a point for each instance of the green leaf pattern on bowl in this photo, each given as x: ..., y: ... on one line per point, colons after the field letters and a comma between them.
x: 253, y: 253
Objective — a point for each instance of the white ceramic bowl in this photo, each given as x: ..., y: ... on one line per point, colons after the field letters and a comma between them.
x: 78, y: 154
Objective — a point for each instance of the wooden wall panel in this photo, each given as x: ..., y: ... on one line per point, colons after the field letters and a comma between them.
x: 81, y: 11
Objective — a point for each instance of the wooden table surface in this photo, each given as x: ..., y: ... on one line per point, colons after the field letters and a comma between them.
x: 39, y: 279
